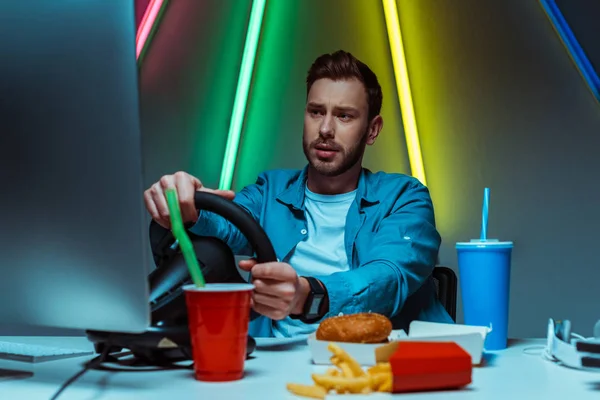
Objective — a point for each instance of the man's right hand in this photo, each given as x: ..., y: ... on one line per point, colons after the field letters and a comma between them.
x: 186, y: 186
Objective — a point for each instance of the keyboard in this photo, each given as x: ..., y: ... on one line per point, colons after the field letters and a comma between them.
x: 36, y: 353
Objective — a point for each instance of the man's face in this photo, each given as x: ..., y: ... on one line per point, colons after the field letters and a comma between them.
x: 336, y: 125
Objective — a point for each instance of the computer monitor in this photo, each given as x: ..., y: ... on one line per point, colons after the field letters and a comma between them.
x: 73, y: 229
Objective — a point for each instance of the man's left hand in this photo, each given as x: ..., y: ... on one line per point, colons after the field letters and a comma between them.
x: 278, y: 290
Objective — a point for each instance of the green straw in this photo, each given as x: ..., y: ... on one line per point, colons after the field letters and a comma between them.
x: 185, y: 244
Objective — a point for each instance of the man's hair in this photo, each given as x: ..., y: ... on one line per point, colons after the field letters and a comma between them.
x: 342, y: 65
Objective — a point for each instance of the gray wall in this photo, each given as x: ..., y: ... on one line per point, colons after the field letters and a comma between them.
x: 507, y: 109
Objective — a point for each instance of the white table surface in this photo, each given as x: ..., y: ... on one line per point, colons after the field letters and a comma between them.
x: 518, y: 372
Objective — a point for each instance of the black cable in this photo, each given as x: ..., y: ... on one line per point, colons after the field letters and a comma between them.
x: 135, y: 364
x: 123, y: 367
x: 126, y: 365
x: 93, y: 363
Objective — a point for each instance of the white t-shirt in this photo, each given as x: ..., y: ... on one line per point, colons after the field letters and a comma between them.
x: 322, y: 252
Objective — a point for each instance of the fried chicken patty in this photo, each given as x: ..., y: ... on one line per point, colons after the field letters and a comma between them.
x: 355, y: 328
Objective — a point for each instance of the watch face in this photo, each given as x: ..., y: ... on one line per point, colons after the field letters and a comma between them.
x: 315, y: 305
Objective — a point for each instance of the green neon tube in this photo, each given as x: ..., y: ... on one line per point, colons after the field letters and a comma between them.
x: 241, y: 94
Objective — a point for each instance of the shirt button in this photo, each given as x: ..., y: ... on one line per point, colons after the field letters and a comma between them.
x: 303, y: 231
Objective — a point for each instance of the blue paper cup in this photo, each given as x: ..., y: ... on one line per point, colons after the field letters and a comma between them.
x: 484, y: 268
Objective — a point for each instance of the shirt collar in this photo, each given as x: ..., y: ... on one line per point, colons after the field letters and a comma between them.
x: 293, y: 195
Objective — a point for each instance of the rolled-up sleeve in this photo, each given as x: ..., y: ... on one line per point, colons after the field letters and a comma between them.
x: 401, y: 258
x: 250, y: 198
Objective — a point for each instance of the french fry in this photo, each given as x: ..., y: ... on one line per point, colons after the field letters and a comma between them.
x: 324, y: 382
x: 342, y: 384
x: 346, y: 370
x: 314, y: 392
x: 348, y: 377
x: 379, y: 368
x: 387, y: 384
x: 378, y: 380
x: 343, y: 356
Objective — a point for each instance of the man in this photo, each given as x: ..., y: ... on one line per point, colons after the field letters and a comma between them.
x: 348, y: 240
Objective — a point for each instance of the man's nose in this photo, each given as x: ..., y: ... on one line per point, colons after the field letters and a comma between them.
x: 326, y: 128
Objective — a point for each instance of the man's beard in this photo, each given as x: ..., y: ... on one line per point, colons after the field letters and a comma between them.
x: 349, y: 157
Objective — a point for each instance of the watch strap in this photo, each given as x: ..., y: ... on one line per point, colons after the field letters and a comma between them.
x: 315, y: 300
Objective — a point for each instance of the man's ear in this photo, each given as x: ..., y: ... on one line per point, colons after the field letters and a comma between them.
x: 374, y: 129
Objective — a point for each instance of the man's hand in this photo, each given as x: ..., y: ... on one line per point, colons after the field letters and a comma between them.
x: 278, y: 291
x: 186, y: 186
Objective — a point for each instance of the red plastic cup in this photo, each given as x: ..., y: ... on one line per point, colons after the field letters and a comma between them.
x: 219, y: 314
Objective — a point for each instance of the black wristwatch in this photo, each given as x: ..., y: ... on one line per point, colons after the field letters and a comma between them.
x: 313, y: 307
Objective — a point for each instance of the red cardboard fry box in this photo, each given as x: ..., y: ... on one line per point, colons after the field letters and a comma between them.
x: 419, y: 366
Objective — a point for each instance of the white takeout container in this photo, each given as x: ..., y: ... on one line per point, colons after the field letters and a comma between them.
x: 470, y: 338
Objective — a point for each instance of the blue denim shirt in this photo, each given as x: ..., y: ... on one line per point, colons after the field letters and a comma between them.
x: 391, y: 243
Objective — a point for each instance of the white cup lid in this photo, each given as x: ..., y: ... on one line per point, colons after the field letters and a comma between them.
x: 220, y: 287
x: 485, y: 243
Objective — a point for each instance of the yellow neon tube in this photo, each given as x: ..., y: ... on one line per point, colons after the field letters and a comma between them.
x: 403, y: 86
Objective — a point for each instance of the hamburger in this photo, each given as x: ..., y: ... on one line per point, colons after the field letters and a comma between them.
x: 355, y: 328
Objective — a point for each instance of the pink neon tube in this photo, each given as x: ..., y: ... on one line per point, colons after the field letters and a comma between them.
x: 146, y: 24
